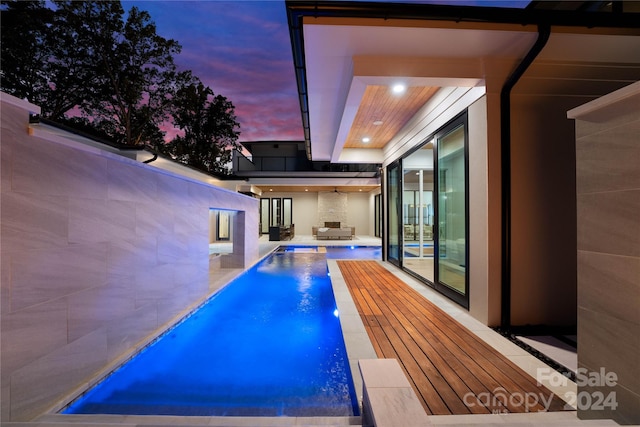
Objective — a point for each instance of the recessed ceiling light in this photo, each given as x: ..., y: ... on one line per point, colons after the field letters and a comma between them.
x: 399, y: 88
x: 271, y: 189
x: 378, y: 122
x: 306, y: 189
x: 366, y: 139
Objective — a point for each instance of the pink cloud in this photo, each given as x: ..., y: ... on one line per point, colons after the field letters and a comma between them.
x: 242, y: 51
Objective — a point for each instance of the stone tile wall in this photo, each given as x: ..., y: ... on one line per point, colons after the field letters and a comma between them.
x: 608, y: 206
x: 99, y: 254
x: 332, y: 207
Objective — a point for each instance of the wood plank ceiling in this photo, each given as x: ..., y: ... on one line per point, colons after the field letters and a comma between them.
x: 382, y: 114
x: 266, y: 189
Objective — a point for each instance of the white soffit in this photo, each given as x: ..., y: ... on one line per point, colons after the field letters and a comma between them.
x: 334, y: 93
x: 361, y: 155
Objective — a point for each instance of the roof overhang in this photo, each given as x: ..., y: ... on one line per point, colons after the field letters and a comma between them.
x: 344, y: 49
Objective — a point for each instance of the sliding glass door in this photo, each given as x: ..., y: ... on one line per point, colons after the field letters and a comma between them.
x: 276, y: 212
x: 452, y: 212
x: 417, y: 212
x: 428, y: 214
x: 265, y: 206
x: 394, y: 186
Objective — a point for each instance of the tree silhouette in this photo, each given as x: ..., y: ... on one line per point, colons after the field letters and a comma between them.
x: 138, y: 79
x: 210, y: 129
x: 24, y: 52
x: 86, y: 65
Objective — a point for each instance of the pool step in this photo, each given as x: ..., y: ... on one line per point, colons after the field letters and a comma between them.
x: 58, y: 420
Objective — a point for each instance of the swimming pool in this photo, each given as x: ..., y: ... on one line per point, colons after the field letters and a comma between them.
x: 267, y: 344
x: 339, y: 252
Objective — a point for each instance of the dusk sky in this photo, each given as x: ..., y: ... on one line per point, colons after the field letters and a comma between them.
x: 241, y: 49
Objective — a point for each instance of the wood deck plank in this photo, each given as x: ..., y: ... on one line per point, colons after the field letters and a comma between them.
x: 462, y: 350
x: 510, y: 377
x: 451, y: 369
x: 449, y: 385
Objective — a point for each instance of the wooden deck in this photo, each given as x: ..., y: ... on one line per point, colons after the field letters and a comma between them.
x: 452, y: 371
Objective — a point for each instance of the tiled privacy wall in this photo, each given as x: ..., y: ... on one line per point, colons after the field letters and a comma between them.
x: 99, y: 253
x: 608, y: 196
x: 332, y: 206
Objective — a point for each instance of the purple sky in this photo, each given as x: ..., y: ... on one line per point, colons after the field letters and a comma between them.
x: 241, y: 49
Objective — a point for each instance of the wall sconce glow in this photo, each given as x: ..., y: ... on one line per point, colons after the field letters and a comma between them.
x: 398, y: 88
x: 366, y: 139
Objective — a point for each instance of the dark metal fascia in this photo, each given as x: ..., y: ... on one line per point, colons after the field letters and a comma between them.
x: 297, y: 49
x: 485, y: 14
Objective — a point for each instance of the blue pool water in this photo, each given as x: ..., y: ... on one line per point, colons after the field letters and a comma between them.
x: 267, y: 344
x: 340, y: 252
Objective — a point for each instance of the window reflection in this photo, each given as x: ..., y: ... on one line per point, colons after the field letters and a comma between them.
x: 417, y: 212
x: 452, y: 216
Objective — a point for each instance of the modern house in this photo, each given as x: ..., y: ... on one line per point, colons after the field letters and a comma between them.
x: 503, y: 173
x: 479, y: 158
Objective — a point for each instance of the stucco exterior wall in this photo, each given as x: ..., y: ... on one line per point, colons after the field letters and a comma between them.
x: 543, y: 206
x: 100, y: 253
x: 480, y: 293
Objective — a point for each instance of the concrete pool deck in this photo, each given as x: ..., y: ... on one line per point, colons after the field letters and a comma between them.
x: 358, y: 346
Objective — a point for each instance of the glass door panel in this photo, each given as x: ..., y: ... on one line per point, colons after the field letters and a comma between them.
x: 377, y: 216
x: 393, y: 190
x: 276, y: 219
x: 452, y: 210
x: 287, y: 211
x: 264, y: 216
x: 418, y: 212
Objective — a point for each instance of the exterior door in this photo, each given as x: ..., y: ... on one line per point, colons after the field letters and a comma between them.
x: 452, y: 242
x: 394, y: 188
x: 264, y: 215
